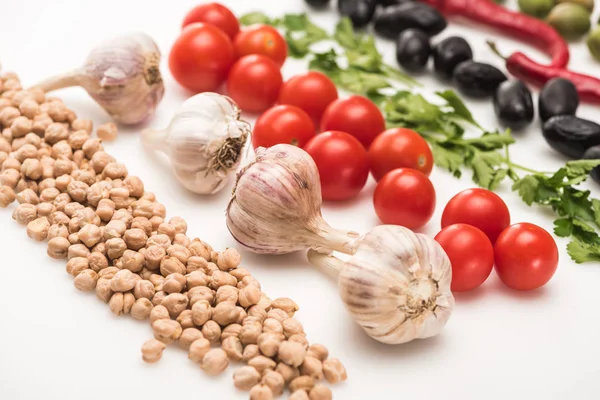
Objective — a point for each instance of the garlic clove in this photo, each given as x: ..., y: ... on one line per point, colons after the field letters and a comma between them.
x: 396, y: 285
x: 276, y: 205
x: 122, y: 75
x: 204, y: 141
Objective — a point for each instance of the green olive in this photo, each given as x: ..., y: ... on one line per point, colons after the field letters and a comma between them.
x: 588, y: 4
x: 571, y: 20
x: 593, y: 43
x: 536, y: 8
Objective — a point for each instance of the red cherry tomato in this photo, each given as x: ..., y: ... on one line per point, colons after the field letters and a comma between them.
x: 254, y: 83
x: 356, y: 115
x: 282, y: 124
x: 342, y: 163
x: 312, y: 92
x: 526, y: 256
x: 399, y: 148
x: 261, y: 39
x: 214, y: 14
x: 478, y: 207
x: 471, y: 254
x: 201, y: 58
x: 404, y: 197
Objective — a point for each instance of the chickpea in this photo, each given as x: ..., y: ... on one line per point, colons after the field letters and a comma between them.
x: 288, y: 373
x: 12, y: 163
x: 198, y: 349
x: 181, y: 240
x: 201, y: 312
x: 7, y: 196
x: 141, y: 309
x: 185, y: 319
x: 334, y: 371
x: 250, y: 351
x: 57, y: 230
x: 109, y: 272
x: 87, y: 177
x: 154, y: 256
x: 58, y: 247
x: 212, y: 331
x: 21, y: 126
x: 166, y: 330
x: 62, y: 167
x: 97, y: 261
x: 269, y: 344
x: 233, y: 348
x: 29, y: 108
x: 225, y: 293
x: 115, y: 248
x: 77, y: 139
x: 115, y: 170
x: 195, y: 263
x: 77, y: 250
x: 199, y: 278
x: 179, y: 252
x: 228, y: 260
x: 246, y: 377
x: 292, y: 353
x: 299, y: 338
x: 159, y: 312
x: 299, y: 394
x: 249, y: 334
x: 156, y: 221
x: 116, y: 303
x: 28, y: 196
x: 41, y: 123
x: 312, y: 367
x: 318, y: 351
x: 135, y: 238
x: 262, y: 363
x: 105, y: 209
x: 188, y: 336
x: 123, y: 281
x: 170, y: 265
x: 232, y: 330
x: 32, y: 168
x: 73, y: 238
x: 103, y: 291
x: 38, y: 229
x: 221, y: 278
x: 107, y: 131
x: 78, y: 191
x: 56, y: 132
x: 277, y: 314
x: 320, y: 392
x: 249, y: 296
x: 9, y: 178
x: 8, y: 115
x: 49, y: 194
x: 175, y: 303
x: 152, y: 350
x: 257, y: 312
x: 143, y: 289
x: 174, y: 283
x: 120, y: 196
x: 226, y: 313
x: 166, y: 229
x: 302, y: 383
x: 77, y: 265
x: 200, y: 293
x: 62, y: 150
x: 90, y: 148
x: 86, y: 280
x: 62, y: 182
x: 132, y: 260
x: 82, y: 124
x: 274, y: 381
x: 214, y: 362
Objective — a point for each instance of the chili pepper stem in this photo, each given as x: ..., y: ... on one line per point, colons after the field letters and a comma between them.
x: 494, y: 47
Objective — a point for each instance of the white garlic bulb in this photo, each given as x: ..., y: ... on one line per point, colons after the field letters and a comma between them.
x: 122, y: 75
x: 276, y: 205
x: 396, y: 285
x: 204, y: 141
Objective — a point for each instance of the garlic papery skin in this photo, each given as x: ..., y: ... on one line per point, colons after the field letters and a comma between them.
x: 276, y: 205
x: 122, y: 75
x: 396, y: 285
x: 204, y: 142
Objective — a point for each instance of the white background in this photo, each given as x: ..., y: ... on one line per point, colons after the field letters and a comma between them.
x: 57, y: 343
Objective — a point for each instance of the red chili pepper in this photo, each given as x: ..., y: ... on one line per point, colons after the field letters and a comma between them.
x: 518, y: 25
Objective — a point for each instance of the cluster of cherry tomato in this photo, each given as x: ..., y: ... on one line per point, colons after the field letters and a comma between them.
x: 476, y: 235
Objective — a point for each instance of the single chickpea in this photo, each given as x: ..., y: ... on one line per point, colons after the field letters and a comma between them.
x: 33, y: 139
x: 277, y: 314
x: 20, y: 127
x: 261, y: 392
x: 245, y: 378
x: 78, y: 191
x: 291, y: 327
x: 7, y: 196
x: 154, y: 256
x: 123, y: 215
x: 174, y: 283
x: 142, y: 208
x: 115, y: 170
x: 189, y: 336
x: 120, y: 196
x: 250, y: 351
x: 292, y: 353
x: 114, y: 229
x: 249, y: 334
x: 123, y: 281
x: 134, y: 185
x: 11, y: 82
x: 299, y: 394
x: 97, y: 261
x: 86, y: 280
x: 248, y: 281
x: 82, y: 124
x: 103, y: 291
x: 232, y: 330
x: 115, y: 248
x: 318, y: 351
x: 152, y: 351
x: 73, y: 238
x: 143, y: 289
x: 201, y: 312
x: 320, y: 392
x: 32, y: 168
x: 62, y: 182
x: 195, y: 263
x: 59, y: 217
x: 159, y: 312
x: 175, y: 303
x: 181, y: 240
x: 226, y: 293
x: 57, y: 230
x: 166, y: 330
x: 228, y: 259
x: 49, y: 194
x: 249, y: 296
x: 28, y: 196
x: 41, y: 122
x: 58, y: 247
x: 302, y: 383
x: 90, y: 235
x: 179, y: 252
x: 156, y: 221
x: 198, y: 350
x: 61, y: 150
x: 55, y: 132
x: 77, y: 265
x: 166, y: 229
x: 221, y: 278
x: 10, y: 178
x: 143, y: 224
x: 226, y: 313
x: 185, y: 319
x: 200, y: 293
x: 299, y: 338
x: 90, y: 148
x: 288, y: 373
x: 38, y: 229
x: 178, y: 224
x: 24, y: 152
x: 132, y: 260
x: 77, y: 250
x: 8, y: 115
x: 77, y: 139
x: 58, y: 112
x: 233, y: 348
x: 212, y: 331
x: 199, y: 278
x: 214, y: 362
x: 262, y: 363
x: 274, y: 381
x: 334, y: 371
x: 100, y: 160
x: 61, y: 167
x: 269, y: 344
x: 312, y: 367
x: 171, y: 265
x: 29, y: 108
x: 12, y: 163
x: 128, y: 302
x: 116, y: 303
x: 135, y: 238
x: 257, y: 312
x: 272, y: 325
x: 141, y: 309
x: 107, y: 132
x: 25, y: 213
x: 86, y: 176
x: 159, y: 210
x: 105, y: 209
x: 109, y: 272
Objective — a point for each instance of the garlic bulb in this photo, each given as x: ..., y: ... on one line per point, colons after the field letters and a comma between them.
x: 396, y: 285
x: 204, y: 141
x: 276, y: 205
x: 122, y: 75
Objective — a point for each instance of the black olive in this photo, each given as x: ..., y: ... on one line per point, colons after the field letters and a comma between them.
x: 558, y: 97
x: 570, y: 135
x: 317, y: 3
x: 477, y: 79
x: 513, y: 104
x: 393, y: 20
x: 593, y: 153
x: 359, y: 11
x: 387, y: 3
x: 448, y: 53
x: 413, y: 50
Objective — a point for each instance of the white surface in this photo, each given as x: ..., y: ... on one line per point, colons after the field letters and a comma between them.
x: 57, y: 343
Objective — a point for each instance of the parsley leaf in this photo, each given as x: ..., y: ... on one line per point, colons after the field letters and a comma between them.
x: 447, y: 159
x: 582, y: 252
x: 527, y: 188
x: 460, y: 109
x: 258, y: 18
